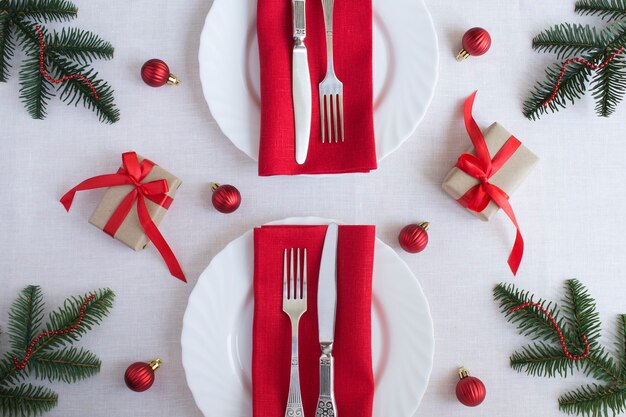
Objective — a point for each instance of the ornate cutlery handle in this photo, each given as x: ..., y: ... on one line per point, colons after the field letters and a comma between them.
x: 327, y: 6
x: 299, y: 21
x: 326, y: 406
x: 294, y: 401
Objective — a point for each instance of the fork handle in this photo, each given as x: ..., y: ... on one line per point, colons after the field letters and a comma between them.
x: 294, y: 401
x: 326, y: 402
x: 328, y: 5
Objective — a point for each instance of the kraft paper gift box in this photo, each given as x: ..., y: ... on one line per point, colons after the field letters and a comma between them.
x: 130, y: 231
x: 510, y: 176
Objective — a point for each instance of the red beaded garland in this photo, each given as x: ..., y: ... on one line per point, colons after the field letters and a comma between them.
x: 139, y: 376
x: 558, y: 330
x: 470, y: 391
x: 413, y: 238
x: 22, y: 364
x: 226, y: 198
x: 588, y: 64
x: 48, y: 77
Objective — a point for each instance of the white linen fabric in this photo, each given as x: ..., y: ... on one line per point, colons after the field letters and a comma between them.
x: 570, y: 209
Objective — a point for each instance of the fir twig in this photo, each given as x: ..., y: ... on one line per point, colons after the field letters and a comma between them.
x: 606, y: 9
x: 66, y: 53
x: 584, y: 43
x: 53, y: 358
x: 7, y: 46
x: 29, y: 400
x: 41, y: 10
x: 547, y: 358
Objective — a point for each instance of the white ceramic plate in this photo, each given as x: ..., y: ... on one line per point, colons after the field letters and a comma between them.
x: 217, y: 333
x: 405, y: 70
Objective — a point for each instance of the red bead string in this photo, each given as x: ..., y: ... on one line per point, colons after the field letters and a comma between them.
x: 48, y: 77
x: 587, y: 64
x: 558, y: 330
x: 22, y: 364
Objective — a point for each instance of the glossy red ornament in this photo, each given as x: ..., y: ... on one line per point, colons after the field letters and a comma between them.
x: 476, y: 42
x: 140, y: 375
x: 226, y: 198
x: 413, y: 238
x: 470, y: 390
x: 156, y: 73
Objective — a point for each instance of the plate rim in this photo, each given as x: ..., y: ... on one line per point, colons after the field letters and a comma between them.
x: 379, y: 157
x: 321, y: 220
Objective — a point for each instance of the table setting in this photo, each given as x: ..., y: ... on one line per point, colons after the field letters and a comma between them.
x: 313, y: 208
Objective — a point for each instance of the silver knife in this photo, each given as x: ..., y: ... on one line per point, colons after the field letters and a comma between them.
x: 326, y: 307
x: 301, y: 83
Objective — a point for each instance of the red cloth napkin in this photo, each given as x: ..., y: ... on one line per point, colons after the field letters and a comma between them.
x: 352, y: 32
x: 271, y: 339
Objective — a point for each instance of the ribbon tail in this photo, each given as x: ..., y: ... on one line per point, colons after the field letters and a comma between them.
x: 517, y: 252
x: 515, y: 257
x: 155, y: 237
x: 100, y: 181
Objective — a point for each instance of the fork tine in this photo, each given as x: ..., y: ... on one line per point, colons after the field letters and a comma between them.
x: 292, y: 277
x: 335, y: 121
x: 328, y: 118
x: 298, y: 279
x: 322, y: 116
x: 304, y: 274
x: 285, y: 282
x: 341, y: 112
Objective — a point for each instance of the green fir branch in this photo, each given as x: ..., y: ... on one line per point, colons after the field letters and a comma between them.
x: 569, y: 39
x: 66, y: 316
x: 573, y: 87
x: 80, y: 45
x: 546, y: 357
x: 585, y: 43
x: 25, y: 318
x: 606, y: 9
x: 540, y: 359
x: 75, y: 91
x: 67, y: 53
x: 7, y: 46
x: 27, y: 399
x: 67, y: 365
x: 530, y: 321
x: 53, y: 358
x: 580, y: 313
x: 594, y: 400
x: 35, y: 90
x: 609, y: 86
x: 41, y: 10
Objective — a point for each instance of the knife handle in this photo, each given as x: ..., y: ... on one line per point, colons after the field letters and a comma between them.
x: 326, y: 402
x: 299, y: 21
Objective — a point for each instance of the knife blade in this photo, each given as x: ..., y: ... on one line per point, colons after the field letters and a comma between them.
x: 301, y: 83
x: 326, y: 310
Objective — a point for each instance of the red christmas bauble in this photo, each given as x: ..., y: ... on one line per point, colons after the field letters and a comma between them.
x: 470, y: 390
x: 225, y: 198
x: 476, y: 42
x: 414, y: 237
x: 140, y: 375
x: 156, y: 73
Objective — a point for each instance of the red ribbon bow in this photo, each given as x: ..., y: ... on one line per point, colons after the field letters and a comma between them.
x: 482, y: 167
x: 132, y: 173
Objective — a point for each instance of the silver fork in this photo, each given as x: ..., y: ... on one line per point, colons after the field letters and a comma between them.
x: 294, y: 305
x: 331, y: 89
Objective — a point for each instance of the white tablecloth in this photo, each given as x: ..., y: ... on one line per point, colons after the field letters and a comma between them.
x: 571, y: 209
